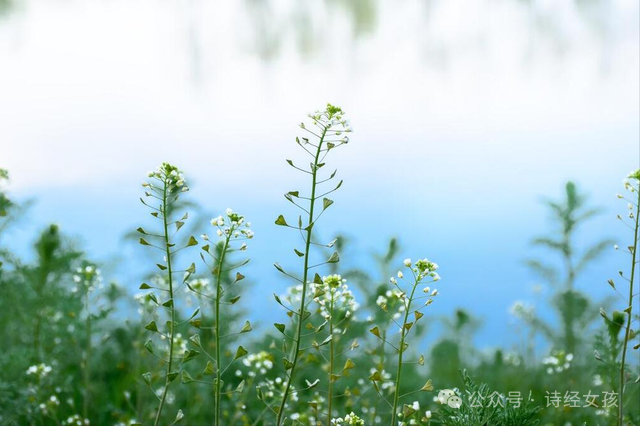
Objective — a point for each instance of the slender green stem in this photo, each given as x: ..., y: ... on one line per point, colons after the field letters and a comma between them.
x: 331, y: 359
x: 627, y: 331
x: 403, y: 335
x: 87, y: 356
x: 173, y: 315
x: 305, y: 276
x: 217, y: 326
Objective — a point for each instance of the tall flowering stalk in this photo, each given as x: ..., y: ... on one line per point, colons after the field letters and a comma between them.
x: 423, y: 272
x: 230, y: 229
x: 88, y: 277
x: 633, y: 186
x: 162, y: 192
x: 336, y: 305
x: 326, y: 133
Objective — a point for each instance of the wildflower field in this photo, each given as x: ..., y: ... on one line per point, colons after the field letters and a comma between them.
x: 347, y: 343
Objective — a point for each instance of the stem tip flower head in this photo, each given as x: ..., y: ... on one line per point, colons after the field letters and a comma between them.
x: 634, y: 175
x: 348, y: 420
x: 169, y: 175
x: 233, y: 226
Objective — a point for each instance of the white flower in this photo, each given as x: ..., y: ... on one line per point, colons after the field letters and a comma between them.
x: 427, y: 414
x: 407, y: 262
x: 400, y: 274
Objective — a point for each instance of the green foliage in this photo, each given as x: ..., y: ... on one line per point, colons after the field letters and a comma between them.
x: 349, y: 351
x: 572, y: 306
x: 476, y: 409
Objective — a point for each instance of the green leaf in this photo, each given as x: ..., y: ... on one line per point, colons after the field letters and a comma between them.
x: 142, y: 231
x: 421, y: 360
x: 239, y: 277
x: 172, y: 376
x: 191, y: 269
x: 192, y: 242
x: 376, y: 376
x: 168, y: 303
x: 161, y: 267
x: 195, y: 339
x: 312, y: 385
x: 349, y: 364
x: 233, y: 300
x: 144, y: 242
x: 327, y: 340
x: 179, y: 417
x: 240, y: 387
x: 317, y: 279
x: 147, y: 378
x: 246, y: 327
x: 196, y: 312
x: 151, y: 326
x: 145, y: 286
x: 240, y: 352
x: 179, y: 224
x: 279, y: 268
x: 275, y: 296
x: 428, y: 387
x: 280, y: 221
x: 153, y: 298
x: 280, y: 327
x: 294, y: 193
x: 326, y: 203
x: 417, y: 315
x: 334, y: 258
x: 299, y: 253
x: 407, y: 411
x: 319, y: 291
x: 209, y: 369
x: 186, y: 378
x: 288, y: 365
x: 189, y: 355
x: 149, y: 346
x: 375, y: 331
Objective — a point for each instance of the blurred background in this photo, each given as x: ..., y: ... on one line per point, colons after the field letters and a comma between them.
x: 466, y: 116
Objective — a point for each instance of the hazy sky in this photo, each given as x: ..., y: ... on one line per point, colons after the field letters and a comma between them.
x: 465, y: 114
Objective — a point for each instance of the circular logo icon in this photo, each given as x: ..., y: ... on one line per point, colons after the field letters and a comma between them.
x: 449, y: 397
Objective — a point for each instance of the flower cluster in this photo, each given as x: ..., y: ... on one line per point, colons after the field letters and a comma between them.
x: 179, y: 343
x: 424, y: 268
x: 272, y: 390
x: 421, y: 270
x: 89, y: 277
x: 76, y: 420
x: 350, y: 420
x: 233, y: 226
x: 391, y: 299
x: 258, y: 363
x: 40, y: 371
x: 331, y: 118
x: 557, y: 362
x: 170, y: 177
x: 334, y: 292
x: 521, y: 310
